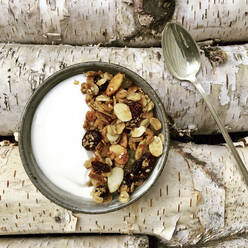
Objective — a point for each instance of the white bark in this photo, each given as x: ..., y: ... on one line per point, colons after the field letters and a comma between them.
x: 77, y: 242
x: 200, y: 196
x: 236, y: 242
x: 101, y: 21
x: 24, y: 67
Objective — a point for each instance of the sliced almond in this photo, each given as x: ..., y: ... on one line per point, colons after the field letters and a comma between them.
x: 122, y: 112
x: 115, y: 179
x: 116, y: 149
x: 156, y: 147
x: 138, y: 131
x: 120, y: 127
x: 155, y: 123
x: 113, y: 138
x: 134, y: 97
x: 103, y: 98
x: 144, y: 100
x: 145, y: 123
x: 140, y: 149
x: 112, y: 130
x: 114, y: 84
x: 101, y: 81
x: 150, y: 106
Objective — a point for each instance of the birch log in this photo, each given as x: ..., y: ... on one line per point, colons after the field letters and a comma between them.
x: 116, y: 21
x: 236, y: 242
x: 24, y: 67
x: 119, y: 241
x: 199, y: 197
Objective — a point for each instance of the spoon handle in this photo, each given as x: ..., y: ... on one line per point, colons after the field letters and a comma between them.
x: 223, y: 131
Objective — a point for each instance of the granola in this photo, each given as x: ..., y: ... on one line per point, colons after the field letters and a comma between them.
x: 122, y: 131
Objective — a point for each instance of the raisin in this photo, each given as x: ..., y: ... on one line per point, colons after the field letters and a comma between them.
x: 141, y: 169
x: 100, y: 167
x: 91, y: 139
x: 136, y: 109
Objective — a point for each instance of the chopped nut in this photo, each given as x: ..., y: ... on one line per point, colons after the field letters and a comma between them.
x: 91, y: 116
x: 156, y: 147
x: 120, y: 153
x: 76, y: 82
x: 115, y: 179
x: 132, y: 144
x: 108, y: 161
x: 114, y: 84
x: 133, y: 89
x: 147, y: 115
x: 145, y: 123
x: 121, y: 94
x: 149, y: 136
x: 123, y: 141
x: 119, y: 135
x: 83, y: 88
x: 91, y: 73
x: 134, y: 97
x: 122, y: 112
x: 138, y: 131
x: 140, y: 149
x: 107, y: 76
x: 87, y: 164
x: 120, y: 127
x: 124, y: 197
x: 103, y: 98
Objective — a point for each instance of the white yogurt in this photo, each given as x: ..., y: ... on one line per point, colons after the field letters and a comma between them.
x: 56, y: 136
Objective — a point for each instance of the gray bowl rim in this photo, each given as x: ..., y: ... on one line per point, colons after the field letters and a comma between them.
x: 28, y: 159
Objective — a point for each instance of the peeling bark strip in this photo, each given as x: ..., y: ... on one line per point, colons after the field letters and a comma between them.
x: 207, y: 201
x: 24, y: 67
x: 123, y: 241
x: 118, y: 21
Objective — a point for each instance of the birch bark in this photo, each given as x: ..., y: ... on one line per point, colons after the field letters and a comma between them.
x: 24, y: 67
x: 116, y: 21
x: 199, y: 197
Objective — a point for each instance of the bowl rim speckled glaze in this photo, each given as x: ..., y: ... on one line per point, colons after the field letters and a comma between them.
x: 38, y: 178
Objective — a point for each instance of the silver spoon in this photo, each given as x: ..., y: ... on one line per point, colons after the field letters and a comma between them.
x: 182, y: 59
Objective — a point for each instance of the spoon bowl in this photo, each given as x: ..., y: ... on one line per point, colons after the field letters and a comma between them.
x: 181, y: 52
